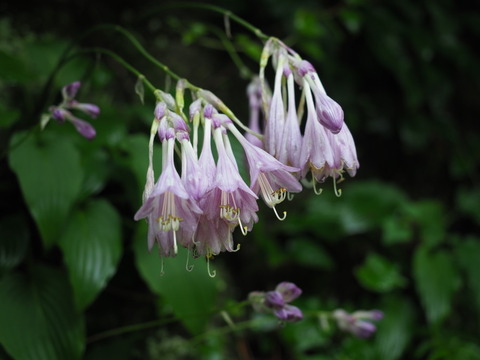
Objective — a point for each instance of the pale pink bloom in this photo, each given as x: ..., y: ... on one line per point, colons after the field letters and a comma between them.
x: 171, y: 212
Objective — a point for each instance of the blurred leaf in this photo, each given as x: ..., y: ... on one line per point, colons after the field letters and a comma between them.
x: 379, y: 274
x: 397, y: 229
x: 92, y: 247
x: 305, y: 252
x: 14, y: 237
x: 468, y: 201
x: 395, y: 330
x: 7, y: 116
x: 436, y: 280
x: 429, y: 216
x: 467, y: 252
x: 37, y: 317
x: 191, y: 295
x: 249, y: 46
x: 13, y: 68
x: 50, y: 177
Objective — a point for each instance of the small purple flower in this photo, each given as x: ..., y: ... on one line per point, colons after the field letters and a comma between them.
x: 356, y: 323
x: 277, y: 302
x: 63, y: 113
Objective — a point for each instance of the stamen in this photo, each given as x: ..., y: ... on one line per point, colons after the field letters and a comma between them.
x: 243, y: 229
x: 211, y: 274
x: 188, y: 267
x: 270, y: 196
x: 228, y: 212
x: 237, y: 248
x: 278, y: 217
x: 338, y: 192
x: 315, y: 189
x: 290, y: 196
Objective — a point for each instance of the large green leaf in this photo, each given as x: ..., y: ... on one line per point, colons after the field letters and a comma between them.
x: 38, y: 320
x: 50, y: 177
x: 468, y: 255
x: 91, y: 246
x: 191, y: 295
x: 395, y: 329
x: 13, y: 241
x: 436, y: 280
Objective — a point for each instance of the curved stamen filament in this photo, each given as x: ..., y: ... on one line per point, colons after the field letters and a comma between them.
x: 270, y: 196
x: 278, y: 217
x: 338, y: 192
x: 316, y: 190
x: 213, y: 273
x: 290, y: 196
x: 188, y: 267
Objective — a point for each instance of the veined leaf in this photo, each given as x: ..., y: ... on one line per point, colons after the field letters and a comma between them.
x: 38, y: 320
x: 91, y: 246
x: 50, y: 177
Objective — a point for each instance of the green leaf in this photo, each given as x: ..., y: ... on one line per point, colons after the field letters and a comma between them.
x: 436, y: 280
x: 14, y: 238
x: 91, y: 246
x: 307, y: 253
x: 191, y: 295
x: 379, y: 274
x: 50, y: 177
x: 394, y: 331
x: 37, y: 317
x: 468, y: 254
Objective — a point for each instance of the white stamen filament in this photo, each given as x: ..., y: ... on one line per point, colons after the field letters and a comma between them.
x: 229, y: 212
x: 270, y: 196
x: 168, y: 221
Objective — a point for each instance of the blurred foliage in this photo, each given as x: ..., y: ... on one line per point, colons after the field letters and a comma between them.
x: 76, y: 279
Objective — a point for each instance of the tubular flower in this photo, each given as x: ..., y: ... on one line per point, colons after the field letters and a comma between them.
x: 268, y: 176
x: 254, y: 93
x: 229, y: 199
x: 359, y: 323
x: 63, y: 113
x: 171, y: 212
x: 277, y: 302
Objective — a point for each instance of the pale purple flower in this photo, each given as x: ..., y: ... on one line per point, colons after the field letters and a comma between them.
x: 229, y: 198
x: 276, y: 113
x: 316, y: 152
x: 63, y: 113
x: 171, y: 212
x: 254, y: 93
x: 277, y: 302
x: 291, y: 143
x: 83, y: 127
x: 329, y: 113
x: 268, y: 176
x: 358, y: 323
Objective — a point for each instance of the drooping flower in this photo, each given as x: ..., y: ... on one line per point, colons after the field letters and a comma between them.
x: 171, y: 212
x: 277, y: 302
x: 329, y: 112
x: 268, y: 177
x: 358, y: 323
x: 254, y: 93
x: 62, y: 112
x: 229, y: 198
x: 291, y: 141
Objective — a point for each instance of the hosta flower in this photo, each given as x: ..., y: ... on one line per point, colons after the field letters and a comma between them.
x: 269, y: 177
x: 329, y: 113
x: 277, y: 302
x: 230, y: 198
x: 63, y: 113
x: 171, y: 212
x: 254, y: 93
x: 291, y: 141
x: 359, y: 322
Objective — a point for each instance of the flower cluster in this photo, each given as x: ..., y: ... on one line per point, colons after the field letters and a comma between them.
x: 276, y: 302
x: 358, y: 323
x: 201, y: 205
x: 322, y: 144
x: 63, y: 111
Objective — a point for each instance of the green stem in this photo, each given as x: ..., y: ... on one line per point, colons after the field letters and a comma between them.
x: 228, y: 13
x: 120, y: 60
